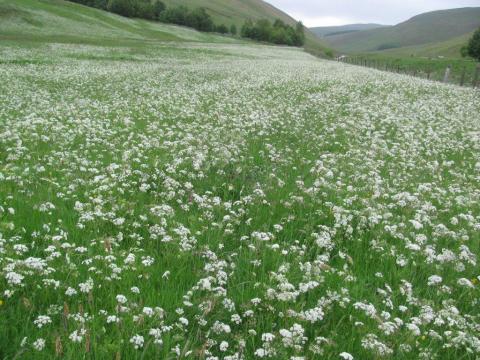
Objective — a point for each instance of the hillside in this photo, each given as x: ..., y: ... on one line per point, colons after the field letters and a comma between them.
x: 334, y: 30
x: 449, y: 48
x: 63, y: 21
x: 428, y: 28
x: 238, y: 11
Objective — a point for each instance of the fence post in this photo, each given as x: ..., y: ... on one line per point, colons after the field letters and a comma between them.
x: 447, y: 74
x: 475, y: 78
x: 462, y: 79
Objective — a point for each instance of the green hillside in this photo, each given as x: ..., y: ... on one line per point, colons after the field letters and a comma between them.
x: 449, y: 48
x: 336, y: 30
x: 428, y: 28
x: 63, y: 21
x: 238, y: 11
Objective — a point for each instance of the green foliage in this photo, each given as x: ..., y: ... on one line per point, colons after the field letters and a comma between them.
x: 158, y: 8
x: 198, y: 18
x: 175, y: 15
x: 473, y: 47
x: 222, y: 29
x: 143, y: 9
x: 277, y: 33
x: 122, y: 7
x: 233, y: 29
x: 99, y: 4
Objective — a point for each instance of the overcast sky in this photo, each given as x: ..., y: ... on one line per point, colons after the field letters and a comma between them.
x: 340, y: 12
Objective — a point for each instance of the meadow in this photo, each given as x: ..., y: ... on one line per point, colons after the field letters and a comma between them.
x: 186, y: 200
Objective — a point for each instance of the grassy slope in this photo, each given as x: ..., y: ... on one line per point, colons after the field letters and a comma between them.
x: 237, y: 11
x: 449, y: 48
x: 437, y: 26
x: 326, y: 30
x: 62, y: 21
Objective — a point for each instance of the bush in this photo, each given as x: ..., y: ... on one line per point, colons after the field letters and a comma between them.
x: 158, y: 8
x: 99, y: 4
x: 175, y: 15
x: 233, y: 29
x: 122, y: 7
x: 222, y: 29
x: 199, y: 19
x: 473, y: 46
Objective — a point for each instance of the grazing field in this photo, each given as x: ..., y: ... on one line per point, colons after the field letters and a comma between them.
x: 229, y: 201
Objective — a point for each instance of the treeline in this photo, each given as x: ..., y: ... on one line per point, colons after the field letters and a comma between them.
x: 199, y: 19
x: 156, y: 10
x: 277, y: 33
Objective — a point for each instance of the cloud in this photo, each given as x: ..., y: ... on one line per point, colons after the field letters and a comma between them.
x: 338, y: 12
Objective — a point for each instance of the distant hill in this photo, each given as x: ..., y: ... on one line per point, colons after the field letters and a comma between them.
x: 429, y: 28
x: 449, y: 48
x: 343, y: 29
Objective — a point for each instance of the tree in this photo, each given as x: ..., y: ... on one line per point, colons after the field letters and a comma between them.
x: 299, y: 34
x: 199, y: 19
x: 122, y: 7
x: 144, y: 9
x: 175, y: 15
x: 158, y: 8
x: 100, y: 4
x: 233, y: 29
x: 473, y: 46
x: 277, y: 33
x: 222, y: 29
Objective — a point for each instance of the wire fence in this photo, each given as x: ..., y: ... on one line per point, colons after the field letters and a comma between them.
x: 458, y: 75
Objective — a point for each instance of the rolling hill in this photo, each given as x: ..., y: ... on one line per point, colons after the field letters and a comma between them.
x: 449, y: 48
x: 323, y: 31
x: 429, y: 28
x: 238, y: 11
x: 66, y: 22
x: 59, y: 19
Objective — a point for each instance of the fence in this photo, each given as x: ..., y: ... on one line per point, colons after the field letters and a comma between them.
x: 460, y: 75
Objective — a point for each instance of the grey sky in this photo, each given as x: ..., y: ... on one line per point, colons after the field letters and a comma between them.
x: 340, y: 12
